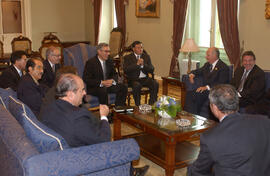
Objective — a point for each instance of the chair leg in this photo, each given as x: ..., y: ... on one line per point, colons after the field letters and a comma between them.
x: 128, y: 99
x: 146, y: 97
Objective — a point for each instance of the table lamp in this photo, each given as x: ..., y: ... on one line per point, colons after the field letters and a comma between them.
x: 188, y: 47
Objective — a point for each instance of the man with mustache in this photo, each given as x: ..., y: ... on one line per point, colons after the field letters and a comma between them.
x: 29, y: 90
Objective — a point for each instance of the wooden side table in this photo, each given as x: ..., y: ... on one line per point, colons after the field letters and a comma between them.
x: 174, y: 81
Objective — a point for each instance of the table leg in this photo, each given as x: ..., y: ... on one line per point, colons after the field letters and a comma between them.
x: 116, y: 128
x: 170, y: 158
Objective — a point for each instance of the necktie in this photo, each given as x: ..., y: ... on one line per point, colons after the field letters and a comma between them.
x: 53, y: 67
x: 20, y: 73
x: 244, y: 77
x: 210, y: 68
x: 104, y: 70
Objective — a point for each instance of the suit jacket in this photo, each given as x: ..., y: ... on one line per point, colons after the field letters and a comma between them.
x: 254, y: 86
x: 48, y: 76
x: 132, y: 70
x: 93, y: 73
x: 219, y: 75
x: 10, y: 78
x: 78, y: 126
x: 239, y: 145
x: 30, y: 93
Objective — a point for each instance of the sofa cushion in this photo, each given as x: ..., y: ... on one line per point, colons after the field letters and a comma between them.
x: 15, y: 147
x: 5, y: 93
x: 44, y: 138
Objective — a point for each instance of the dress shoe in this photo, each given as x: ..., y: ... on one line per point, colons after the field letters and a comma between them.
x: 110, y: 118
x: 141, y: 171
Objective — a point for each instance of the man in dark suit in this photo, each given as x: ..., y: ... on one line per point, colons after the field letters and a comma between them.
x: 101, y: 78
x: 137, y: 66
x: 10, y: 77
x: 51, y: 65
x: 214, y: 72
x: 249, y: 80
x: 238, y: 145
x: 29, y: 90
x: 78, y: 126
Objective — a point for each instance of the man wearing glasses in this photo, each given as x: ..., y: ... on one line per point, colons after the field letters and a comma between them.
x: 101, y: 78
x: 51, y: 65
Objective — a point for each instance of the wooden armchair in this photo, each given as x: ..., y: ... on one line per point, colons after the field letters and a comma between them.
x: 50, y: 38
x: 49, y: 41
x: 115, y: 42
x: 22, y: 43
x: 145, y: 90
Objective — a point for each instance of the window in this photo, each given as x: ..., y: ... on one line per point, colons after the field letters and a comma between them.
x: 202, y: 25
x: 108, y: 20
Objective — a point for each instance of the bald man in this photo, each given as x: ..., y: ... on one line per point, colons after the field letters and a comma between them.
x: 214, y: 72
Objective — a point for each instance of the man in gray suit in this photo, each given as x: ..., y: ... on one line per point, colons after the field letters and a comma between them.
x: 238, y: 145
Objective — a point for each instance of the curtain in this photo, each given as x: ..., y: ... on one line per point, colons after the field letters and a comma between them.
x: 179, y: 17
x: 227, y: 13
x: 97, y: 17
x: 121, y: 18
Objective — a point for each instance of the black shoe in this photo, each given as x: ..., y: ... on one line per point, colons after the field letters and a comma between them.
x: 141, y: 171
x: 110, y: 118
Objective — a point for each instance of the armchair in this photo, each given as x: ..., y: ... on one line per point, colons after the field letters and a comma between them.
x: 145, y: 90
x: 76, y: 56
x: 48, y: 41
x: 22, y: 43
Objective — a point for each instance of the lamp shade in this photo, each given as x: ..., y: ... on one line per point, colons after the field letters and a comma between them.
x: 189, y: 46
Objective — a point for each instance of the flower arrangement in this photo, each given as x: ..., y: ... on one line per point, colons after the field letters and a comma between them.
x: 167, y: 107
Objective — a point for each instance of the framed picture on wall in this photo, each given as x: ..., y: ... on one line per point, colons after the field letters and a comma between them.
x: 147, y: 8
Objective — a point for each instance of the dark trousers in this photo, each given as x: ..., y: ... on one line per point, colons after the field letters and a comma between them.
x: 195, y: 101
x: 144, y: 82
x: 102, y: 93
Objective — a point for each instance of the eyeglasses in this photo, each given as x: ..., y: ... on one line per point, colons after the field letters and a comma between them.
x: 106, y: 51
x: 56, y: 55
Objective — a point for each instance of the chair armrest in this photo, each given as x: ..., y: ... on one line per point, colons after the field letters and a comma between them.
x: 198, y: 81
x: 83, y: 160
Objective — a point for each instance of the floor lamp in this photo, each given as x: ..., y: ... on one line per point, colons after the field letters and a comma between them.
x: 188, y: 47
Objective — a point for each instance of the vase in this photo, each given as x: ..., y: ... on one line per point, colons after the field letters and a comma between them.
x: 164, y: 114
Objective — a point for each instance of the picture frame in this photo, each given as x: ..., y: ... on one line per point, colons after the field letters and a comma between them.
x: 267, y: 9
x: 148, y: 8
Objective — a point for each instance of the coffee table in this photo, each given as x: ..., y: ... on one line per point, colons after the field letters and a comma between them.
x: 167, y: 146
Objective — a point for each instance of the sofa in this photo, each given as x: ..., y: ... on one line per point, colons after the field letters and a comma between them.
x: 29, y: 148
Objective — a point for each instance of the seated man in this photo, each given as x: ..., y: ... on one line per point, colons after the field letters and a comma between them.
x: 29, y: 90
x: 137, y: 66
x: 214, y: 72
x: 78, y: 126
x: 51, y: 65
x: 238, y: 145
x: 101, y: 78
x: 10, y: 77
x: 50, y: 95
x: 249, y: 80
